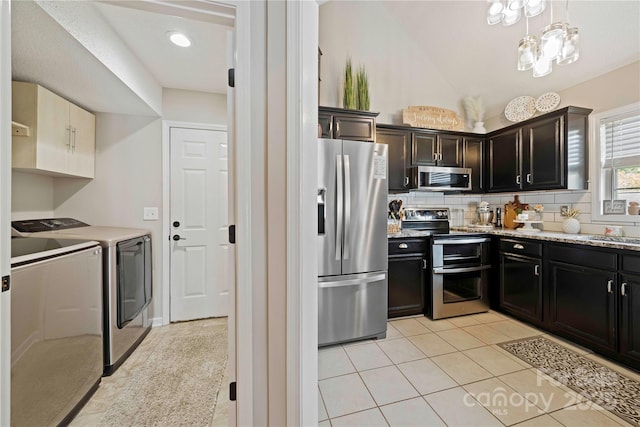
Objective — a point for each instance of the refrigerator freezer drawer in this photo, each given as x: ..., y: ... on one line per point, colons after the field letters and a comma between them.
x: 352, y: 307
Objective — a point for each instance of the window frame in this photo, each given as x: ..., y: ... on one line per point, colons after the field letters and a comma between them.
x: 595, y: 148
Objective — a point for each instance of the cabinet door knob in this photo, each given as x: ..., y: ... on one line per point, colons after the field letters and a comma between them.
x: 536, y: 270
x: 406, y: 181
x: 518, y: 246
x: 623, y: 289
x: 403, y: 246
x: 424, y: 264
x: 528, y: 178
x: 609, y: 286
x: 518, y: 180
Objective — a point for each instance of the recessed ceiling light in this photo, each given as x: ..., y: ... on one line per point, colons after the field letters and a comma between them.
x: 179, y: 39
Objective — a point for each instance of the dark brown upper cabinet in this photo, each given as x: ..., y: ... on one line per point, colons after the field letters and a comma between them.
x: 339, y: 123
x: 473, y: 157
x: 399, y: 155
x: 545, y: 153
x: 436, y: 149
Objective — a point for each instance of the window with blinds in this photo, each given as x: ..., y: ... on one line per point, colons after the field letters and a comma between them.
x: 620, y: 156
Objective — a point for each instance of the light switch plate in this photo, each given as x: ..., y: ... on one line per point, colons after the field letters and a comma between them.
x: 150, y: 214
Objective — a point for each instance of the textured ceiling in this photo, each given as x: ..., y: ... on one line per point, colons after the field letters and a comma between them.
x: 475, y: 58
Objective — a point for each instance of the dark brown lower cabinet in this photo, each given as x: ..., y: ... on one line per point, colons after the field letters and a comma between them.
x: 521, y: 287
x: 406, y: 286
x: 407, y: 265
x: 630, y: 317
x: 582, y: 304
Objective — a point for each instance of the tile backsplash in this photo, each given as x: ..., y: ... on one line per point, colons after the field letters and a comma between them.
x: 552, y: 200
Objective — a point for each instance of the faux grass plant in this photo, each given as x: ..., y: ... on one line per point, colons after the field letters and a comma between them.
x: 349, y: 99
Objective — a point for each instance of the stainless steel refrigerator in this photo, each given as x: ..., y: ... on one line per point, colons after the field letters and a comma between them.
x: 352, y: 236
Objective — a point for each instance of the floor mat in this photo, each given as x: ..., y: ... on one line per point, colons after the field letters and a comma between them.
x: 609, y: 389
x: 176, y: 386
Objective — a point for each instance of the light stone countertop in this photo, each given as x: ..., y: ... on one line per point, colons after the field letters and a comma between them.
x: 581, y: 239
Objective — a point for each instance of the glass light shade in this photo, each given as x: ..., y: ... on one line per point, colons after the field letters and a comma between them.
x: 516, y: 4
x: 534, y: 8
x: 542, y: 67
x: 570, y: 51
x: 494, y: 12
x: 510, y: 17
x: 552, y: 39
x: 527, y: 52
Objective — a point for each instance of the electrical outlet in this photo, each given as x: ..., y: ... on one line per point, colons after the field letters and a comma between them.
x: 150, y: 214
x: 564, y: 210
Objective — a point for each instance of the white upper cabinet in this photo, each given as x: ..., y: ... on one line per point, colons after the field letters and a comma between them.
x: 61, y: 137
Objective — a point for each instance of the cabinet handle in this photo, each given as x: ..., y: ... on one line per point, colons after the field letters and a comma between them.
x: 623, y: 289
x: 528, y: 178
x: 406, y: 181
x: 440, y: 156
x: 518, y: 246
x: 518, y: 180
x: 424, y: 264
x: 69, y: 139
x: 609, y: 285
x: 403, y: 246
x: 435, y: 156
x: 337, y: 128
x: 73, y: 145
x: 536, y: 270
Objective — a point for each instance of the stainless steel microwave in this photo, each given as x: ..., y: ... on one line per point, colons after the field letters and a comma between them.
x: 438, y: 178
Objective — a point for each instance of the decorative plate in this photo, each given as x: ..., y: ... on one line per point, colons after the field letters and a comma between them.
x: 547, y: 102
x: 520, y: 108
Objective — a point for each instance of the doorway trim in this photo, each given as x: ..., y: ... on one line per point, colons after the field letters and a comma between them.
x: 166, y: 210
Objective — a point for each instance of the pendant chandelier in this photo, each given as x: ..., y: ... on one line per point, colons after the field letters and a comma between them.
x: 558, y: 41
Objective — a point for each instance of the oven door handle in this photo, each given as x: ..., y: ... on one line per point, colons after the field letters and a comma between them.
x: 461, y: 241
x: 444, y: 270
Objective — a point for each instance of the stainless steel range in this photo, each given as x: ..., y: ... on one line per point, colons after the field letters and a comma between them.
x: 459, y: 264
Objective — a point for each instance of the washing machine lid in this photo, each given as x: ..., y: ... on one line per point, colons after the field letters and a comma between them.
x: 26, y: 250
x: 23, y: 228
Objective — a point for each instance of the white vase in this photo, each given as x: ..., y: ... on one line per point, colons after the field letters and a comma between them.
x: 478, y: 127
x: 571, y: 226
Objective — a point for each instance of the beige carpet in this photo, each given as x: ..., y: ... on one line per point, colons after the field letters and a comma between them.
x: 176, y: 386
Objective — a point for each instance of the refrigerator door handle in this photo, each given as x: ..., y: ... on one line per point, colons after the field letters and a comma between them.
x: 322, y: 210
x: 347, y: 207
x: 339, y: 206
x: 330, y: 283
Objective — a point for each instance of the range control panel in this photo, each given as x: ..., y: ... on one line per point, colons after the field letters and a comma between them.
x: 426, y: 214
x: 48, y: 224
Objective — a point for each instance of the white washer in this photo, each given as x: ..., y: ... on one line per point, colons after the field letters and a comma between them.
x: 127, y: 279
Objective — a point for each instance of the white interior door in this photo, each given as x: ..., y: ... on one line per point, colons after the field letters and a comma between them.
x: 198, y: 221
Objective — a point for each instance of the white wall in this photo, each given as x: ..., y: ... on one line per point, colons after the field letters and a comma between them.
x: 617, y: 88
x: 31, y: 196
x: 372, y: 40
x: 194, y: 107
x: 128, y: 177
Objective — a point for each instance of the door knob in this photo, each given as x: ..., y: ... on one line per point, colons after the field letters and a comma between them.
x: 177, y: 237
x: 176, y: 223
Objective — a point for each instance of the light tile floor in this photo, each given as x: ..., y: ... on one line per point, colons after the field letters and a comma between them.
x: 449, y: 372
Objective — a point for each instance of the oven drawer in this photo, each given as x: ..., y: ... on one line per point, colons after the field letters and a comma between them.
x: 407, y: 246
x: 521, y: 247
